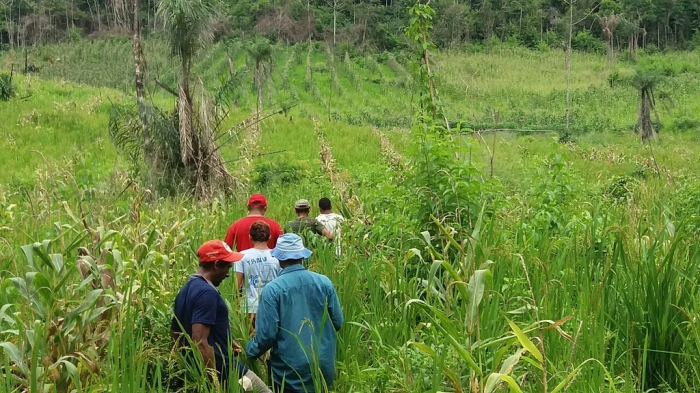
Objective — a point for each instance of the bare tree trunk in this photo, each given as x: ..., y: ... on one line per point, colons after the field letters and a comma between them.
x: 335, y: 15
x: 139, y: 71
x: 10, y: 28
x: 258, y: 85
x: 99, y: 15
x: 308, y: 17
x: 568, y: 65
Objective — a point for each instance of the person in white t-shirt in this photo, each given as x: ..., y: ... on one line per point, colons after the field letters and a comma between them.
x: 255, y: 270
x: 332, y: 221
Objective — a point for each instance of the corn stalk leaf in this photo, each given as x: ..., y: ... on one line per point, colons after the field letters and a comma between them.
x: 477, y: 287
x: 89, y: 302
x: 447, y: 327
x: 15, y: 355
x: 525, y: 341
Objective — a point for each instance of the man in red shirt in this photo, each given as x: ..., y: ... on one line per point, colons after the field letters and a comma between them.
x: 239, y: 232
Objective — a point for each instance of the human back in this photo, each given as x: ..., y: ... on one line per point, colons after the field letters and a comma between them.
x: 258, y: 268
x: 198, y: 302
x: 298, y: 317
x: 303, y: 302
x: 332, y: 221
x: 238, y: 234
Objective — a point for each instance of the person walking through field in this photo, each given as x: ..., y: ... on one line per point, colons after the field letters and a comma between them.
x: 201, y: 319
x: 238, y: 235
x: 257, y: 268
x: 332, y: 221
x: 299, y: 315
x: 304, y: 223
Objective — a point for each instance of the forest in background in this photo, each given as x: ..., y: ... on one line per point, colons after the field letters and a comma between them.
x: 624, y: 25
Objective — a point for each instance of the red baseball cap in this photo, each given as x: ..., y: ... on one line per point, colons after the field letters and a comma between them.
x: 257, y: 200
x: 216, y: 250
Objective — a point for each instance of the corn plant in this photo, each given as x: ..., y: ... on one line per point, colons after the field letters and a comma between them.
x: 58, y: 334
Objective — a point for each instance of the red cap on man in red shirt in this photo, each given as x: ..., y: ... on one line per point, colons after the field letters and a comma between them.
x: 257, y: 200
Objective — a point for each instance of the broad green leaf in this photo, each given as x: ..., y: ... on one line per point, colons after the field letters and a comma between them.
x: 423, y: 348
x: 70, y: 368
x: 494, y: 380
x: 525, y: 341
x: 511, y: 382
x: 15, y: 355
x: 40, y: 250
x: 461, y: 285
x: 477, y: 287
x: 5, y: 315
x: 106, y: 237
x: 447, y: 327
x: 89, y: 302
x: 43, y: 288
x: 57, y: 260
x: 28, y: 252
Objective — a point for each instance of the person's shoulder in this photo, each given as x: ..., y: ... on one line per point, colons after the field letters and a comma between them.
x: 337, y: 216
x: 271, y: 221
x: 200, y: 287
x: 319, y: 277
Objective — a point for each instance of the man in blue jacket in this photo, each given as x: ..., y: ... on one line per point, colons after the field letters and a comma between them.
x: 298, y: 317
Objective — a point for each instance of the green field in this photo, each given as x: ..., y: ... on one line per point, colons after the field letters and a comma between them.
x: 478, y: 262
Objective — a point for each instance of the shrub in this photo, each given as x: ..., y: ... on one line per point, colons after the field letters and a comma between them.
x: 686, y: 123
x: 585, y: 42
x: 651, y: 49
x: 7, y: 87
x: 275, y: 174
x: 542, y: 46
x: 695, y: 41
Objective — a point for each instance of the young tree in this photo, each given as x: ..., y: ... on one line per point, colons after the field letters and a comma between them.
x: 335, y: 5
x: 260, y: 60
x: 645, y: 81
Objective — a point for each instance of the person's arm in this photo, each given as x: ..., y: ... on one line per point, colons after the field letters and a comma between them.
x: 200, y: 336
x: 322, y: 230
x: 266, y: 325
x: 240, y: 273
x: 240, y: 278
x: 204, y: 316
x: 334, y: 310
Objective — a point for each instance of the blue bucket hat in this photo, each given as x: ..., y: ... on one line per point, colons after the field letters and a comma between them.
x: 290, y: 246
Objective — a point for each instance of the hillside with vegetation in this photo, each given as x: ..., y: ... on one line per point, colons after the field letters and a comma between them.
x: 508, y: 227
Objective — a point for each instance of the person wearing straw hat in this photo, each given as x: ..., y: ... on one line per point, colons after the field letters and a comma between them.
x: 298, y: 317
x: 201, y: 317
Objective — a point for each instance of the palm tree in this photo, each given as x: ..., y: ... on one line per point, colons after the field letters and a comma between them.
x: 645, y: 81
x: 188, y: 29
x: 260, y: 59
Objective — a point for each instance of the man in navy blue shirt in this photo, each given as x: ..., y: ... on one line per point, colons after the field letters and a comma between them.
x: 202, y: 315
x: 298, y: 317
